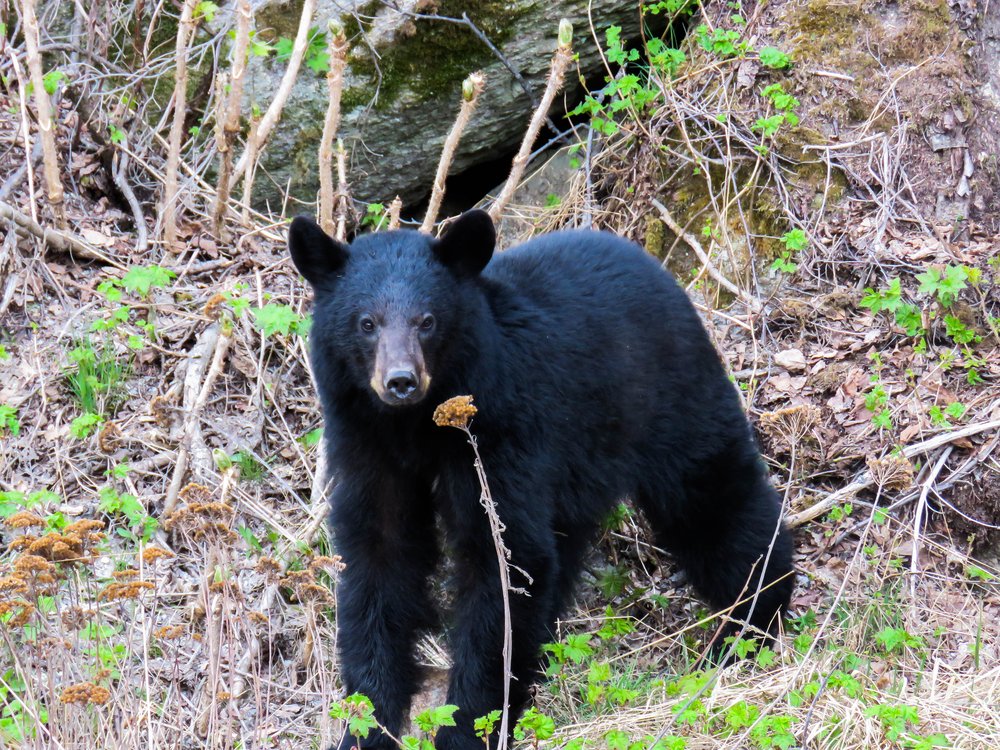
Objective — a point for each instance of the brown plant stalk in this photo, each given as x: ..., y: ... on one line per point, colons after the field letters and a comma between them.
x: 273, y: 113
x: 557, y: 74
x: 335, y: 84
x: 43, y: 106
x: 228, y: 122
x: 185, y: 31
x: 472, y: 87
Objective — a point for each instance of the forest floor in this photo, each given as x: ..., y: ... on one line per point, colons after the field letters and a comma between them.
x: 167, y: 579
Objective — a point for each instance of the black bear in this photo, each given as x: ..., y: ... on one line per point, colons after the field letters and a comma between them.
x: 595, y: 381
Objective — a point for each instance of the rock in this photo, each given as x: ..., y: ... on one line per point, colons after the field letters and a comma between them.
x: 792, y: 360
x: 403, y: 82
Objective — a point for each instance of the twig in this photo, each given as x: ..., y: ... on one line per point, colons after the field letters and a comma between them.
x: 227, y: 125
x: 395, y: 208
x: 865, y: 479
x: 710, y: 268
x: 251, y: 153
x: 270, y: 118
x: 503, y: 560
x: 43, y: 106
x: 119, y: 174
x: 918, y: 517
x: 62, y: 241
x: 212, y: 343
x: 185, y: 30
x: 472, y: 87
x: 557, y: 73
x: 331, y: 124
x: 343, y: 194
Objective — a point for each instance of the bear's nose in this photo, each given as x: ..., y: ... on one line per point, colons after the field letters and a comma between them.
x: 401, y: 383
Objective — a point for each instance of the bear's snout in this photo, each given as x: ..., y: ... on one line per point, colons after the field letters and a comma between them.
x: 401, y: 383
x: 399, y: 377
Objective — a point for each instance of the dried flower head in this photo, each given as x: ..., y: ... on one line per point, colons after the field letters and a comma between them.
x: 790, y: 424
x: 169, y: 632
x: 109, y: 437
x: 195, y: 493
x: 215, y: 302
x: 162, y: 411
x: 58, y: 547
x: 22, y: 612
x: 24, y: 519
x: 117, y: 591
x: 270, y: 567
x: 455, y: 412
x: 152, y: 553
x: 12, y: 586
x: 85, y: 527
x: 125, y: 575
x: 891, y: 472
x: 85, y: 692
x: 332, y: 564
x: 306, y: 589
x: 29, y: 565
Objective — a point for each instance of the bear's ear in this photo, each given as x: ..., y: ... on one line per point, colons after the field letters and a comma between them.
x: 317, y: 255
x: 468, y: 245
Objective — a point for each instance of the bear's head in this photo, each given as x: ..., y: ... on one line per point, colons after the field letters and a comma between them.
x: 390, y: 307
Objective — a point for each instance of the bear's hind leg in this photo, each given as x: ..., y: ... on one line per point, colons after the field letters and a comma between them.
x: 727, y: 535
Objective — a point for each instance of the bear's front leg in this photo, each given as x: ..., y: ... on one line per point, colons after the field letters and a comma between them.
x: 477, y: 677
x: 388, y: 545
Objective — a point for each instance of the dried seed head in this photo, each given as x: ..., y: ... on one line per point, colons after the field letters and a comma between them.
x: 85, y: 692
x: 153, y: 553
x: 325, y: 562
x: 169, y: 632
x: 455, y: 412
x: 891, y: 472
x: 24, y: 519
x: 109, y: 437
x: 791, y: 424
x: 117, y: 591
x: 162, y: 411
x: 212, y: 307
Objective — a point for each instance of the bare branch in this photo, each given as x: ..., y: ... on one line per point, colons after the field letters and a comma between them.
x: 46, y: 124
x: 270, y: 118
x: 184, y: 33
x: 472, y: 87
x: 335, y: 82
x: 557, y: 73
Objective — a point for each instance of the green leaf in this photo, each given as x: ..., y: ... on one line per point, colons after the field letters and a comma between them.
x: 957, y: 330
x: 765, y: 657
x: 795, y: 240
x: 283, y: 49
x: 143, y: 279
x: 359, y: 713
x: 84, y: 425
x: 51, y: 81
x: 772, y: 57
x: 9, y: 420
x: 484, y: 725
x: 273, y: 318
x: 205, y: 10
x: 768, y: 126
x: 319, y: 63
x: 434, y: 718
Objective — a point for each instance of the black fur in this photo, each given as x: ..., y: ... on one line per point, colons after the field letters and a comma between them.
x: 594, y: 381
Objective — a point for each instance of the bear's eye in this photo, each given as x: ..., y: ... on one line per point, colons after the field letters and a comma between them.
x: 427, y: 323
x: 367, y: 324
